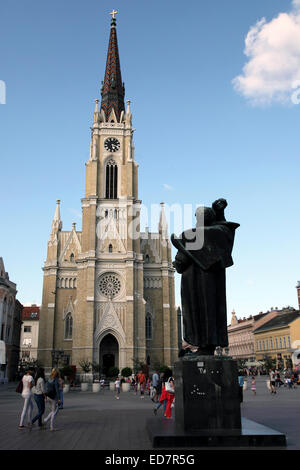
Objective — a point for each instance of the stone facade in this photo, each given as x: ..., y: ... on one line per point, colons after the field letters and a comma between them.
x: 279, y: 338
x: 108, y: 291
x: 30, y: 332
x: 241, y: 337
x: 10, y: 326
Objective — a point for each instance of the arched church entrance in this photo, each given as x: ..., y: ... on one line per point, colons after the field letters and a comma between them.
x: 109, y: 353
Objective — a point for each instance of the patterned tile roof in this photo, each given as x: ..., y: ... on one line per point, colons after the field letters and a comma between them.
x: 113, y: 90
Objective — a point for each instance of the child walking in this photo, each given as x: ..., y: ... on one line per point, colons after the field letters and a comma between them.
x: 253, y: 385
x: 118, y: 386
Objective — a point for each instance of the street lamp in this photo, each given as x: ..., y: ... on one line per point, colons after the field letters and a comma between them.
x: 57, y: 355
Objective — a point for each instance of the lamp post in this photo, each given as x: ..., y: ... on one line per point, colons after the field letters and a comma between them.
x: 57, y: 355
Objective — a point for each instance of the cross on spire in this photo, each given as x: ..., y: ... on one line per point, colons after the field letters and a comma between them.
x: 113, y: 13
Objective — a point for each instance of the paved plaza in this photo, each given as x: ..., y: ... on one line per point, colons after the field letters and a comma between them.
x: 97, y: 421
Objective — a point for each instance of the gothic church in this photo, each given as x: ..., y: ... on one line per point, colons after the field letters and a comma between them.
x: 108, y: 291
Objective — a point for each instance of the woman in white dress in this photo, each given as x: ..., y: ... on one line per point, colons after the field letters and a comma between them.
x: 27, y: 395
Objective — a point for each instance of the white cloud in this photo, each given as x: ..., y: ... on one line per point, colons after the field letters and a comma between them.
x: 168, y: 187
x: 272, y: 71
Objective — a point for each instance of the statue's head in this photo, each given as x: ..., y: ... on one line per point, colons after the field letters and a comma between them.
x: 205, y: 215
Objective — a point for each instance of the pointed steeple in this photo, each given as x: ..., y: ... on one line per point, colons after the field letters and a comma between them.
x: 112, y: 89
x: 57, y: 222
x: 163, y: 224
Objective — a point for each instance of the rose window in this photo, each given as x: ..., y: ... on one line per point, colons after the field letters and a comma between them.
x: 110, y: 285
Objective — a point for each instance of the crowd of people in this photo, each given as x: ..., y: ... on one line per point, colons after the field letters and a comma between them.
x: 287, y: 379
x: 277, y: 378
x: 160, y: 387
x: 34, y: 388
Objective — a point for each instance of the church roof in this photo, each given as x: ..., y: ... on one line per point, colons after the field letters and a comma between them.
x: 113, y: 90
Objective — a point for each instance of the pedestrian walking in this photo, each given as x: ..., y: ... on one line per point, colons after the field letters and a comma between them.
x: 39, y: 390
x: 155, y: 381
x: 61, y: 385
x: 52, y: 394
x: 142, y: 383
x: 253, y: 385
x: 272, y: 381
x: 241, y: 385
x: 295, y: 379
x: 136, y: 384
x: 118, y: 388
x: 28, y: 383
x: 170, y: 395
x: 278, y: 381
x: 161, y: 398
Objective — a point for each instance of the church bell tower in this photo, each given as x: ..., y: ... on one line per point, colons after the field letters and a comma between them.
x: 110, y: 266
x: 108, y: 295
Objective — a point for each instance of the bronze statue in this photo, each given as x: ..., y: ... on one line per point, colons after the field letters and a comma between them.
x: 203, y: 285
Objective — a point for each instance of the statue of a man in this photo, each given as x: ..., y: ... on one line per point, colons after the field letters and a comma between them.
x: 203, y: 284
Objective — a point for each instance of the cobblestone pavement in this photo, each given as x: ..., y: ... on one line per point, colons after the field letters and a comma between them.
x: 97, y: 421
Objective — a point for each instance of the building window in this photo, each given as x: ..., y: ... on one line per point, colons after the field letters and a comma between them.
x: 110, y: 249
x: 271, y: 343
x: 72, y: 258
x: 147, y: 259
x: 289, y: 341
x: 27, y: 329
x: 276, y: 343
x: 68, y: 326
x: 111, y: 191
x: 27, y: 342
x: 148, y: 326
x: 280, y: 342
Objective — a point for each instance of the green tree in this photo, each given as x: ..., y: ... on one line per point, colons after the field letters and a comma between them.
x: 85, y: 365
x: 268, y: 362
x: 113, y: 372
x: 126, y: 372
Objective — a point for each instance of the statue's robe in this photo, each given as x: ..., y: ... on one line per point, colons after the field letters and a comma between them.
x: 203, y: 289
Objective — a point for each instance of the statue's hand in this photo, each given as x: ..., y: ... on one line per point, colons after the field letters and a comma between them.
x: 181, y: 262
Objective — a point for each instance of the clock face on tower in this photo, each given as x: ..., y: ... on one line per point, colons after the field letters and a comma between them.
x: 112, y: 144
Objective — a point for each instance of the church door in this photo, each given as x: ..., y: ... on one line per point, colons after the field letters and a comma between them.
x: 109, y: 353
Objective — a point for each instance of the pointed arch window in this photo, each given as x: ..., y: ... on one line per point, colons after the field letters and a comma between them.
x: 111, y: 185
x: 69, y: 326
x: 148, y: 326
x: 110, y: 249
x: 72, y: 258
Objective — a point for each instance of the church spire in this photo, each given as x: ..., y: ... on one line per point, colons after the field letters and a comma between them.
x: 57, y: 222
x: 112, y: 89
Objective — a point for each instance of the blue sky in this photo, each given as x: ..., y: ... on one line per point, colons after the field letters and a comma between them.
x: 198, y: 135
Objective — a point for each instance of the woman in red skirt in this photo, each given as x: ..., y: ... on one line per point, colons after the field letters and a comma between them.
x: 169, y: 395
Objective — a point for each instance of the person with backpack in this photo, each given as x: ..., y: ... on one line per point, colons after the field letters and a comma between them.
x: 39, y: 390
x: 52, y: 394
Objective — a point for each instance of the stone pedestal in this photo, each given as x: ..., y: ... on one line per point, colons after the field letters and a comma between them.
x: 207, y: 394
x: 207, y: 409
